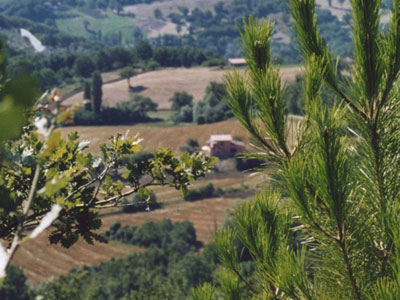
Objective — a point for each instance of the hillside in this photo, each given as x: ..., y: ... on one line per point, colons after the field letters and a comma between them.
x: 41, y: 260
x: 160, y: 85
x: 209, y: 25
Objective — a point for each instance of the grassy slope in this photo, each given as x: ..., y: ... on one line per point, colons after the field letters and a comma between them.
x: 108, y: 23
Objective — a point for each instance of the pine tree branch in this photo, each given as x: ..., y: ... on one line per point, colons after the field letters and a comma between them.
x: 349, y: 267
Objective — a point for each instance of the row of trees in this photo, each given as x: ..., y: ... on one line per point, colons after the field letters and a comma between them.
x: 58, y: 69
x: 129, y: 112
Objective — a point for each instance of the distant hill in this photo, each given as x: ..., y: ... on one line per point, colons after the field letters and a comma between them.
x: 205, y: 24
x: 54, y: 39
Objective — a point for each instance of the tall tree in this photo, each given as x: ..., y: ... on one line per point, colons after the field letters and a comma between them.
x: 144, y: 50
x: 87, y: 95
x: 180, y: 99
x: 97, y: 92
x: 337, y: 236
x: 127, y: 73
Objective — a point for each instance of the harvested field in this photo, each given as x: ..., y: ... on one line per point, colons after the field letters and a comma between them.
x: 155, y: 136
x: 160, y: 85
x: 40, y: 260
x: 206, y: 215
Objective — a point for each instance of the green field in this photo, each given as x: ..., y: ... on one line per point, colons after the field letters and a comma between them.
x: 109, y: 24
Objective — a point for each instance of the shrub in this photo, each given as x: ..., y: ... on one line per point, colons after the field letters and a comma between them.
x: 243, y: 163
x: 191, y: 146
x: 214, y: 62
x: 85, y: 117
x: 207, y: 191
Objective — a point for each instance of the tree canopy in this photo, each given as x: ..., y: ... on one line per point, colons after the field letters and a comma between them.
x: 127, y: 73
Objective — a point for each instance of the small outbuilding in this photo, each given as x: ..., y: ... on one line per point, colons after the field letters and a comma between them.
x: 236, y: 62
x: 223, y: 146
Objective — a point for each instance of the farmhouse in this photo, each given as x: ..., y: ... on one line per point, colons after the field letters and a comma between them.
x: 223, y: 146
x: 236, y: 62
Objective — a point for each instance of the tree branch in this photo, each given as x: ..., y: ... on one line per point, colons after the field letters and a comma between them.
x: 21, y: 223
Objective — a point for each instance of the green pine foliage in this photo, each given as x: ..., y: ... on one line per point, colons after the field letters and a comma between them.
x: 329, y: 226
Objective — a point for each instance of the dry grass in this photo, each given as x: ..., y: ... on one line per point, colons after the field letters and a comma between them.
x: 155, y: 136
x: 160, y: 85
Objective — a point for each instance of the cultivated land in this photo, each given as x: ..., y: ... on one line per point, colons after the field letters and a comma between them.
x: 160, y: 85
x: 41, y: 260
x: 156, y: 136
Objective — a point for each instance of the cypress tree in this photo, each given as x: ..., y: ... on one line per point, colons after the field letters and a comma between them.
x: 97, y: 92
x: 87, y: 95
